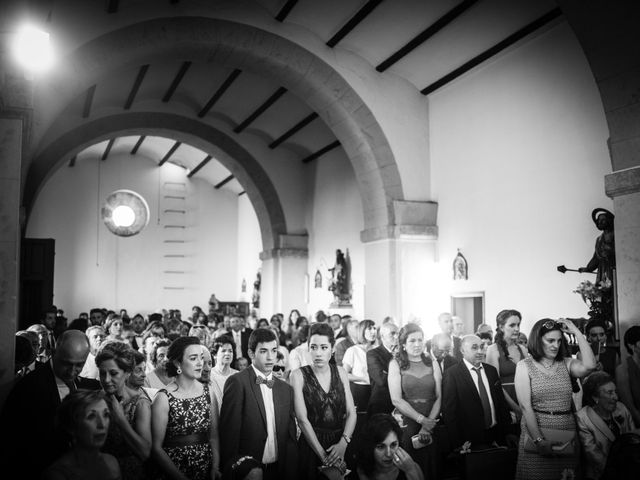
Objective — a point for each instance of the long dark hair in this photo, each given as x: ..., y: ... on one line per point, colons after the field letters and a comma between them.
x: 403, y: 358
x: 501, y: 320
x: 375, y: 431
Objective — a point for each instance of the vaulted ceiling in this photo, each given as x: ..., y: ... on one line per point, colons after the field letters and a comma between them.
x: 427, y: 43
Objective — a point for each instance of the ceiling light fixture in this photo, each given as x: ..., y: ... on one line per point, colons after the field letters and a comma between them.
x: 32, y: 48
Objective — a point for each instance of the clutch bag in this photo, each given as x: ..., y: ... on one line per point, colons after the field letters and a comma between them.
x: 563, y: 442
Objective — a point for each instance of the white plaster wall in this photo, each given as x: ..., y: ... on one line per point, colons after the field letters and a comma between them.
x: 519, y: 155
x: 95, y: 268
x: 334, y: 221
x: 249, y: 247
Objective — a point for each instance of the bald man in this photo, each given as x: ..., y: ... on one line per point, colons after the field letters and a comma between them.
x: 31, y: 439
x: 473, y: 404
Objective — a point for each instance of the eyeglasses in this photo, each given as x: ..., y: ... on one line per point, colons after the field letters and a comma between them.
x: 278, y: 368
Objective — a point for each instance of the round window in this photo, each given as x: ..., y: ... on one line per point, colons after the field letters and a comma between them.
x: 125, y: 213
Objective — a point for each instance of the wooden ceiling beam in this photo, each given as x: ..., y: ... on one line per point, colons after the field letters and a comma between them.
x: 321, y: 152
x: 216, y: 96
x: 353, y: 22
x: 135, y: 148
x: 261, y: 109
x: 171, y: 151
x: 88, y: 101
x: 285, y: 10
x: 426, y: 34
x: 199, y: 166
x: 107, y: 150
x: 176, y: 81
x: 293, y: 130
x: 224, y: 182
x: 497, y: 48
x: 136, y: 86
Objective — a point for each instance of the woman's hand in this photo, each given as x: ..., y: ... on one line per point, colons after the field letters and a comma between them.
x: 335, y: 453
x: 569, y: 326
x: 403, y: 461
x: 428, y: 424
x: 425, y: 435
x: 544, y: 448
x: 115, y: 407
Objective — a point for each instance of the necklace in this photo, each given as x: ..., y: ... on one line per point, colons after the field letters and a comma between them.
x: 548, y: 367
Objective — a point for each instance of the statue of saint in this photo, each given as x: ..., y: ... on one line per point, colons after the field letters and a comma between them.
x: 255, y: 297
x: 340, y: 280
x: 604, y: 256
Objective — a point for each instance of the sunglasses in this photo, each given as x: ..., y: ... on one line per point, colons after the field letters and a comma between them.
x: 553, y: 325
x: 278, y: 368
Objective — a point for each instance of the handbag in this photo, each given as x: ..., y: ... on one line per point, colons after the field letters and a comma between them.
x: 563, y: 442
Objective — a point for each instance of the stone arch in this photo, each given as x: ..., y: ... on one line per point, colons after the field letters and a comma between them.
x: 247, y: 47
x: 227, y: 151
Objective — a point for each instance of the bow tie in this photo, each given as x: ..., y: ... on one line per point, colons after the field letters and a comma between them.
x: 260, y: 380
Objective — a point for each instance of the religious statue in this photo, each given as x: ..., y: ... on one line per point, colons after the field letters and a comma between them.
x: 460, y: 269
x: 340, y: 284
x: 604, y: 256
x: 255, y: 297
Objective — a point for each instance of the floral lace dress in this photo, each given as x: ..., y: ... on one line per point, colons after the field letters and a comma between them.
x: 187, y: 436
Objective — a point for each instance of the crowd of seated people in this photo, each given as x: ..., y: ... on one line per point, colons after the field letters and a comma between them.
x: 243, y: 397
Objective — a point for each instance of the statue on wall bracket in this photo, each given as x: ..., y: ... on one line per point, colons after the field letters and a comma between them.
x: 340, y: 284
x: 460, y: 267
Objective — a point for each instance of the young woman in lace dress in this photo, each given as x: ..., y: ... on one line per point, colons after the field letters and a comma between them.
x: 185, y: 418
x: 324, y: 407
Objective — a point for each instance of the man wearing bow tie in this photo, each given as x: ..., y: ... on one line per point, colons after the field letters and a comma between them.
x: 257, y: 416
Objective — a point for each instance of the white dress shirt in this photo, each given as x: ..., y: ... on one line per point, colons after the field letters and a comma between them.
x: 270, y: 454
x: 237, y: 338
x: 485, y: 380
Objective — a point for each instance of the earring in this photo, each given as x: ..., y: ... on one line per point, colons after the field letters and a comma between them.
x: 179, y: 370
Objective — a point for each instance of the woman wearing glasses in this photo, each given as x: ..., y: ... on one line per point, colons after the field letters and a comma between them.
x: 548, y: 442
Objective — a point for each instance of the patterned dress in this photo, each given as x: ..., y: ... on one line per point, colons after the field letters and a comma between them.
x: 550, y: 392
x: 326, y: 412
x: 187, y: 436
x: 131, y: 466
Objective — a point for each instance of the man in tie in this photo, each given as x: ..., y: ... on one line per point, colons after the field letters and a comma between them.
x: 240, y: 336
x: 441, y: 352
x: 257, y: 416
x: 473, y: 404
x: 28, y: 417
x: 378, y: 367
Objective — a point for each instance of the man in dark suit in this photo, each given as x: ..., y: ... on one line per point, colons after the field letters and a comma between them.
x: 240, y: 335
x: 31, y: 440
x: 441, y: 349
x: 473, y: 404
x: 378, y: 366
x: 257, y: 416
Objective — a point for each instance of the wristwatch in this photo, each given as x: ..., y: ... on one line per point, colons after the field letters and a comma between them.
x: 346, y: 438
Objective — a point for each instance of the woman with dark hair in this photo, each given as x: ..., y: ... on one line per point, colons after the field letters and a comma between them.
x: 129, y: 438
x: 84, y: 415
x: 606, y: 357
x: 380, y: 454
x: 185, y: 418
x: 262, y: 323
x: 544, y: 389
x: 600, y: 421
x: 415, y: 388
x: 224, y: 354
x: 628, y: 373
x: 295, y: 336
x: 324, y: 407
x: 504, y: 355
x: 355, y: 364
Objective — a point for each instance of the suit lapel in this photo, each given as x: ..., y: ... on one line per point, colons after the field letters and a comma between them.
x: 255, y: 388
x: 599, y: 424
x: 466, y: 375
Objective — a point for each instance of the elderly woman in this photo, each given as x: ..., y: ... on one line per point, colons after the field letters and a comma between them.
x: 223, y: 351
x: 544, y: 390
x: 159, y: 376
x: 600, y: 421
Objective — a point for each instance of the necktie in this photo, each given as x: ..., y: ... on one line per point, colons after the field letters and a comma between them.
x: 484, y: 398
x: 260, y: 380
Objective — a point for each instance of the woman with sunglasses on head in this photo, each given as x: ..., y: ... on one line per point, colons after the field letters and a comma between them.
x: 548, y: 440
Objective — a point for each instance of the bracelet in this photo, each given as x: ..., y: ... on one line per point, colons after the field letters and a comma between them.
x: 420, y: 419
x: 346, y: 438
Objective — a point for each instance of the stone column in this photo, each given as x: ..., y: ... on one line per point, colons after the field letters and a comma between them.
x: 284, y: 276
x: 398, y: 261
x: 10, y: 160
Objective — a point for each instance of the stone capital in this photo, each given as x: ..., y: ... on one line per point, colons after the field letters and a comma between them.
x: 412, y: 219
x: 622, y: 182
x: 289, y: 246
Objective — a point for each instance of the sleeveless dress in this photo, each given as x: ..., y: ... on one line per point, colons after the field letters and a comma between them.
x: 419, y: 390
x: 550, y: 392
x: 192, y: 417
x: 507, y: 370
x: 326, y: 412
x: 131, y: 466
